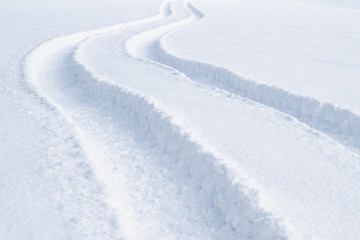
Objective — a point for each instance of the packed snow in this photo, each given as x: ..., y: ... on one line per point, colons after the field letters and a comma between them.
x: 179, y: 119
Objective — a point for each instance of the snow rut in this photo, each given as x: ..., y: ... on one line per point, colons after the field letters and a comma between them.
x: 210, y: 200
x: 204, y: 170
x: 338, y: 122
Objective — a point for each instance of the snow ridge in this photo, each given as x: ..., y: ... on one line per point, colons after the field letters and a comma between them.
x: 335, y: 121
x: 211, y: 173
x: 82, y: 93
x: 84, y: 207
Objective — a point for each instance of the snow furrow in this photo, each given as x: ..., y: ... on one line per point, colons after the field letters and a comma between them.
x: 210, y: 173
x: 75, y: 91
x: 338, y: 122
x: 162, y: 147
x: 143, y: 47
x: 47, y: 75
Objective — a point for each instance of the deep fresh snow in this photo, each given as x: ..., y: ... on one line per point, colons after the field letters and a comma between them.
x: 310, y: 50
x: 148, y: 129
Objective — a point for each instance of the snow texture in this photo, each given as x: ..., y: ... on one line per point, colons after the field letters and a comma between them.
x: 128, y: 132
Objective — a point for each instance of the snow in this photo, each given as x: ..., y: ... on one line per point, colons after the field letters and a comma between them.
x: 310, y: 50
x: 331, y: 119
x: 135, y: 125
x: 47, y: 190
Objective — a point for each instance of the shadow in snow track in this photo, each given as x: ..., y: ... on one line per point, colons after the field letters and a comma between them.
x: 142, y: 155
x: 220, y: 187
x: 337, y: 122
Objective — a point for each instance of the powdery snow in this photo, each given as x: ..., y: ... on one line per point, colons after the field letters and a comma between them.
x: 134, y: 131
x: 307, y: 49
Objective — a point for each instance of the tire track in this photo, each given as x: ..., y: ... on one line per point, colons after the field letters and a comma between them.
x: 337, y: 122
x: 156, y: 175
x: 294, y: 179
x: 229, y: 195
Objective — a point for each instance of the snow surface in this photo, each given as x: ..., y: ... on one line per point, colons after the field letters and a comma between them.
x: 144, y: 130
x: 47, y: 189
x: 307, y: 49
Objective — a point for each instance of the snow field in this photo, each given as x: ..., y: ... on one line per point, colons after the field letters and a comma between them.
x: 336, y: 121
x: 209, y: 173
x: 306, y: 49
x: 47, y: 188
x: 143, y: 47
x: 139, y: 143
x: 204, y: 170
x: 159, y: 128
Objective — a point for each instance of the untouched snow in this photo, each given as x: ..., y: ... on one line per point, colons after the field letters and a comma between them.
x: 133, y: 131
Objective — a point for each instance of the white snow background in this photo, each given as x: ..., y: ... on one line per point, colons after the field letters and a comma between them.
x: 179, y: 119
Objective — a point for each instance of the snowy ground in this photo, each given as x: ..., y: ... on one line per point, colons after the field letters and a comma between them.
x: 201, y: 120
x: 311, y: 50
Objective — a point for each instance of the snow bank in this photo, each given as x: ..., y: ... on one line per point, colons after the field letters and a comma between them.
x: 208, y: 172
x: 335, y: 121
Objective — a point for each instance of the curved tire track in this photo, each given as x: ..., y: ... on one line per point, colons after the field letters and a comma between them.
x: 338, y: 122
x: 145, y: 47
x: 194, y: 169
x: 208, y: 172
